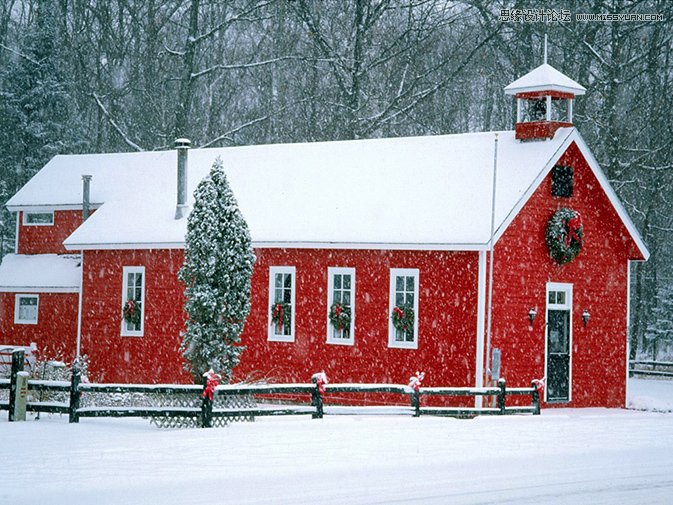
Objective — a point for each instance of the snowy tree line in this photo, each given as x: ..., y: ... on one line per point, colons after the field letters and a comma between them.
x: 119, y: 75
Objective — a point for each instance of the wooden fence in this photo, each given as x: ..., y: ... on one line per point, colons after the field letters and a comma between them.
x: 651, y: 368
x: 315, y: 397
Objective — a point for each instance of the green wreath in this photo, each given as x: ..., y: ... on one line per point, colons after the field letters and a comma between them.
x: 281, y: 315
x: 565, y: 235
x: 403, y: 318
x: 340, y: 316
x: 132, y: 312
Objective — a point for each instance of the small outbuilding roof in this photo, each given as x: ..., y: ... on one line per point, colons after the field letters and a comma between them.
x: 545, y: 78
x: 40, y: 273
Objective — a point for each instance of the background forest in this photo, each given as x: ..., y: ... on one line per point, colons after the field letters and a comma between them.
x: 82, y: 76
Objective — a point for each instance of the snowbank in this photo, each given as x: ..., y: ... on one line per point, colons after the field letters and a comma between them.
x: 565, y: 456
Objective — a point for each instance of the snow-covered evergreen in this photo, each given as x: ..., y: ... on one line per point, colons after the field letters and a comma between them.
x: 217, y: 271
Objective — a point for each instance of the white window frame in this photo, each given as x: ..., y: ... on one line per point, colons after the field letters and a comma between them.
x: 567, y: 305
x: 394, y: 273
x: 126, y: 271
x: 331, y: 272
x: 272, y: 336
x: 17, y: 319
x: 25, y: 215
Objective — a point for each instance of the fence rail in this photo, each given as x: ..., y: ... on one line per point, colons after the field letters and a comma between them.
x: 651, y: 368
x: 317, y: 394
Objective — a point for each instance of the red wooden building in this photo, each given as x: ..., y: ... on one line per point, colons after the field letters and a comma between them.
x: 379, y: 226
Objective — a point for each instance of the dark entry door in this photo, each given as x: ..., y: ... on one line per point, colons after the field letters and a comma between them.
x: 558, y: 355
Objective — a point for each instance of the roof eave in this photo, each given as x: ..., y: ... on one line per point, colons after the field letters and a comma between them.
x: 402, y: 246
x: 545, y: 87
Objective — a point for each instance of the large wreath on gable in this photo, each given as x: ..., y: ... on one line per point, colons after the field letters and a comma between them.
x: 340, y: 316
x: 132, y: 312
x: 403, y: 318
x: 281, y: 315
x: 565, y: 235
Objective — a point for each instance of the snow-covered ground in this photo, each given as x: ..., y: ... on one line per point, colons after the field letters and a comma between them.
x: 564, y: 456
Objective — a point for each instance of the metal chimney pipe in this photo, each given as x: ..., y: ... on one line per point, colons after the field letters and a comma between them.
x: 182, y: 145
x: 86, y: 196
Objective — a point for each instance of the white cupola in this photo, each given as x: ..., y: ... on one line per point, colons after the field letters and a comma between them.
x: 544, y: 101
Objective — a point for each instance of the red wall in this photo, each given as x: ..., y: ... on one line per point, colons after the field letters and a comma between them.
x: 445, y: 318
x: 56, y: 330
x: 599, y: 278
x: 48, y: 239
x: 446, y: 311
x: 153, y: 358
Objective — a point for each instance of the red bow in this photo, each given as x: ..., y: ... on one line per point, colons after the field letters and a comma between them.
x: 399, y: 312
x: 213, y: 382
x: 279, y: 311
x: 415, y: 381
x: 572, y: 228
x: 320, y: 380
x: 539, y: 385
x: 337, y: 313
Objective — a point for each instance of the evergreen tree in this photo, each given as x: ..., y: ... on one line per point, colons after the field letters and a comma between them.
x: 217, y: 272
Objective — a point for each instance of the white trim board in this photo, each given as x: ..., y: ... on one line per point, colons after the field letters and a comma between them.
x: 50, y: 207
x: 38, y: 289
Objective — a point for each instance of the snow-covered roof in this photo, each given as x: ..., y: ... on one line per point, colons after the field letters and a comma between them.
x: 545, y: 78
x: 430, y: 192
x: 40, y: 273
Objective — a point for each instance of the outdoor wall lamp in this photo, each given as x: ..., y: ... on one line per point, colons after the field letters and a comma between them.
x: 531, y: 315
x: 585, y: 317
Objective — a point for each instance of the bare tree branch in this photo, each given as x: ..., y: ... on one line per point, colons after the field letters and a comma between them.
x: 114, y: 125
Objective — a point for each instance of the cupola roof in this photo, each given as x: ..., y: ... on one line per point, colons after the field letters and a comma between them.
x: 545, y: 78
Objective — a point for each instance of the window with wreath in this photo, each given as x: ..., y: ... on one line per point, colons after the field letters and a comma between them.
x: 281, y: 300
x: 25, y: 311
x: 403, y: 316
x: 340, y: 305
x: 133, y: 302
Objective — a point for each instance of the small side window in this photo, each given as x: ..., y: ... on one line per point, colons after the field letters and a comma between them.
x: 562, y: 181
x: 38, y: 218
x: 25, y: 310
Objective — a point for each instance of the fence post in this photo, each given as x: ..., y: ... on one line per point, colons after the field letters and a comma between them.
x: 536, y: 398
x: 18, y: 357
x: 501, y: 395
x: 316, y: 401
x: 206, y: 406
x: 416, y: 402
x: 73, y: 415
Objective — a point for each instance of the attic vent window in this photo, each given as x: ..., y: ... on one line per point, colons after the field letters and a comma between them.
x: 562, y: 181
x: 38, y: 218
